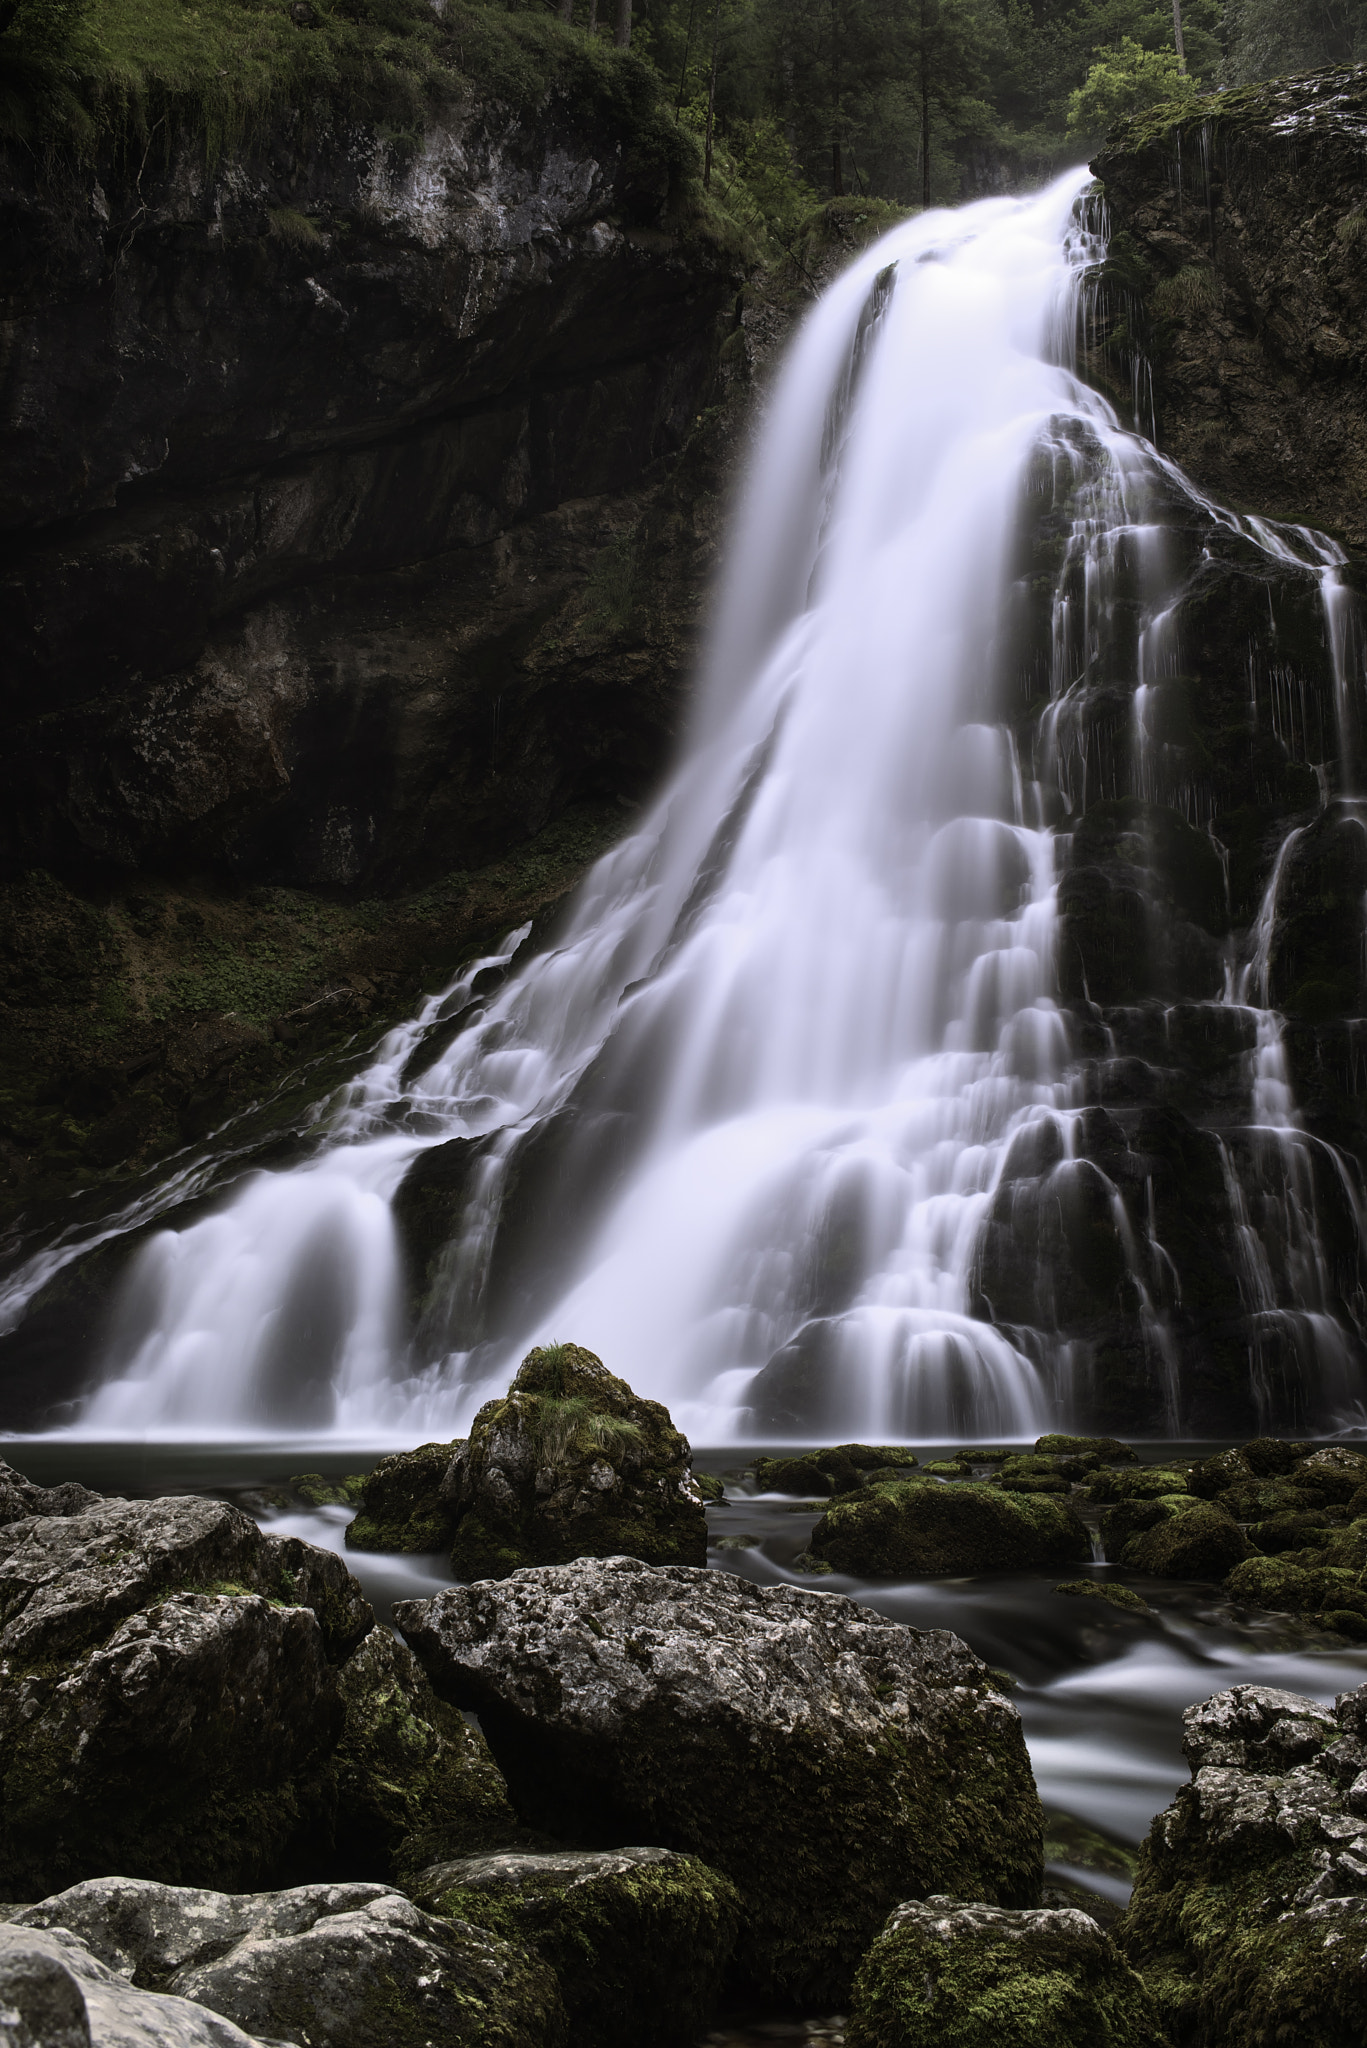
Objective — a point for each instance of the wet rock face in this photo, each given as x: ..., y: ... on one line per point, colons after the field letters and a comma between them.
x: 571, y: 1463
x: 639, y: 1938
x: 946, y: 1974
x: 870, y: 1760
x: 1237, y: 230
x: 348, y: 1964
x: 295, y: 437
x: 1250, y: 1909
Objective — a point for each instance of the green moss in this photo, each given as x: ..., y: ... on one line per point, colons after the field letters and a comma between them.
x: 906, y: 1529
x: 1108, y: 1450
x: 401, y: 1508
x: 709, y: 1486
x: 1146, y: 1482
x: 1039, y: 1986
x: 1123, y: 1597
x: 1190, y: 1539
x: 319, y: 1492
x: 1292, y: 1587
x: 639, y: 1954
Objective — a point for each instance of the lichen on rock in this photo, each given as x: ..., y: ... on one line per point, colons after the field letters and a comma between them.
x: 827, y: 1761
x: 639, y: 1939
x: 948, y: 1974
x: 571, y: 1463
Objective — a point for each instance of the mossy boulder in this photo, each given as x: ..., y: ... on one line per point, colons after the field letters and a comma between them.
x: 1249, y: 1913
x: 1334, y: 1595
x: 710, y: 1487
x: 414, y: 1781
x: 1271, y: 1457
x: 401, y: 1504
x: 1253, y: 1499
x: 1107, y: 1450
x: 907, y: 1530
x: 1309, y: 1529
x: 338, y: 1965
x: 827, y: 1761
x: 1189, y: 1539
x: 571, y: 1463
x: 639, y: 1939
x: 1145, y: 1482
x: 1123, y: 1597
x: 836, y: 1469
x: 169, y: 1700
x: 317, y: 1492
x: 1214, y: 1475
x: 947, y: 1974
x: 1335, y: 1473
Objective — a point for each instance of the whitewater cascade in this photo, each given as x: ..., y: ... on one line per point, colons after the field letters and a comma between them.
x: 740, y: 1129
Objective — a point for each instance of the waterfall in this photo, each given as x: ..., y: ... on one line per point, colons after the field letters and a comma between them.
x: 799, y: 1042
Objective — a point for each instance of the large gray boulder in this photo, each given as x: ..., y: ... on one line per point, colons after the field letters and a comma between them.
x: 948, y: 1974
x: 638, y: 1938
x: 1249, y: 1913
x: 20, y: 1497
x: 55, y: 1994
x: 826, y: 1760
x: 333, y: 1965
x: 169, y: 1700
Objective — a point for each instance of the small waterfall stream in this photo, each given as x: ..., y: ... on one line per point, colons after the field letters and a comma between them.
x: 801, y: 1044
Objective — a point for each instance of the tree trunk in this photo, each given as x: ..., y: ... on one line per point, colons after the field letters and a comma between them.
x: 622, y: 37
x: 925, y: 112
x: 1177, y: 33
x: 837, y: 171
x: 711, y: 95
x: 567, y: 10
x: 592, y: 23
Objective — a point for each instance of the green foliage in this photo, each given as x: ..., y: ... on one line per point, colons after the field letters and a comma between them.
x: 1128, y: 80
x: 1268, y: 38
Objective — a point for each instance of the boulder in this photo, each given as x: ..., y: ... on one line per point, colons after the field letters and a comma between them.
x: 639, y: 1939
x: 571, y: 1463
x: 826, y: 1760
x: 837, y: 1470
x: 1254, y: 1499
x: 20, y: 1498
x: 168, y: 1693
x: 946, y: 1974
x: 401, y: 1504
x: 188, y: 1745
x: 1215, y: 1475
x: 1123, y: 1597
x: 1334, y: 1473
x: 1271, y: 1457
x: 1334, y: 1597
x: 1307, y: 1529
x: 338, y: 1965
x: 1188, y: 1539
x: 1145, y: 1482
x: 710, y: 1487
x: 55, y: 1994
x: 1249, y: 1913
x: 317, y: 1492
x: 910, y: 1529
x: 414, y: 1781
x: 1107, y: 1450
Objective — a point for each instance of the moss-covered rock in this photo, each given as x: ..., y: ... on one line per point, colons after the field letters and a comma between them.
x: 1271, y: 1457
x: 1290, y: 1585
x: 337, y: 1965
x: 945, y: 1974
x: 401, y: 1504
x: 571, y: 1463
x: 415, y: 1782
x: 1107, y: 1450
x: 1214, y: 1475
x: 1146, y: 1482
x: 1249, y: 1913
x: 1308, y: 1529
x: 839, y: 1468
x: 1335, y: 1473
x: 1123, y: 1597
x: 317, y: 1492
x: 639, y: 1939
x: 906, y: 1530
x: 1192, y: 1539
x: 829, y: 1762
x: 710, y: 1487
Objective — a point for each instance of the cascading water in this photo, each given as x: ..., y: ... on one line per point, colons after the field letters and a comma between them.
x: 798, y: 1051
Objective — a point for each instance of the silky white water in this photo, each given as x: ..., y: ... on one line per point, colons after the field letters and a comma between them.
x: 794, y: 1023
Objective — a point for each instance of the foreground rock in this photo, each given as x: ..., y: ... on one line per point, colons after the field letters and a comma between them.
x: 917, y: 1529
x: 639, y: 1939
x: 183, y: 1698
x: 1249, y: 1914
x: 347, y: 1965
x: 55, y: 1994
x: 827, y: 1761
x: 945, y: 1974
x: 571, y: 1463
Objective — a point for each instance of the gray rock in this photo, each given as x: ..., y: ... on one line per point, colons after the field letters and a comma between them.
x: 66, y: 1581
x: 19, y: 1497
x: 326, y: 1966
x: 55, y: 1994
x: 638, y: 1938
x: 186, y: 1745
x: 947, y: 1971
x: 829, y: 1762
x: 1250, y: 1905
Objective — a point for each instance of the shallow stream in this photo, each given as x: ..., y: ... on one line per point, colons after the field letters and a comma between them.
x: 1101, y: 1692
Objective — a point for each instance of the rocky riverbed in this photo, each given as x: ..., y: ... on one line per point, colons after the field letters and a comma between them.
x: 738, y: 1803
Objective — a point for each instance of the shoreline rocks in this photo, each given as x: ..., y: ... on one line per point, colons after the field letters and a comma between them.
x: 829, y: 1762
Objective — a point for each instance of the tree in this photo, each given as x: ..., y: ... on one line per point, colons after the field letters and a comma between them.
x: 1127, y: 81
x: 1267, y: 38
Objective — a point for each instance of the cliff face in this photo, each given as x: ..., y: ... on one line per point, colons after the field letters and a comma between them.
x: 1237, y: 271
x: 305, y: 450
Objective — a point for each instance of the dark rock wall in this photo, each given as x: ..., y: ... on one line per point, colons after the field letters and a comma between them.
x: 304, y: 449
